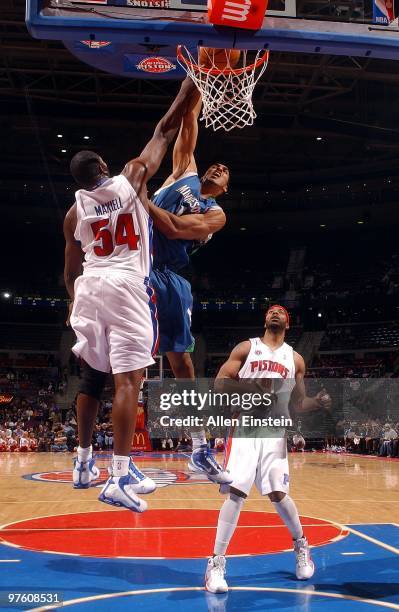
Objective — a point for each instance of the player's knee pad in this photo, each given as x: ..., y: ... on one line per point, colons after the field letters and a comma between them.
x: 92, y: 382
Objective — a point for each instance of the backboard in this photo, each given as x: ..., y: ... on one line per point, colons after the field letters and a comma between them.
x: 138, y: 38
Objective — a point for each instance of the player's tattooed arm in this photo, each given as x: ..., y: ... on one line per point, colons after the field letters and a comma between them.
x: 299, y: 400
x: 73, y: 253
x: 139, y: 170
x: 187, y: 227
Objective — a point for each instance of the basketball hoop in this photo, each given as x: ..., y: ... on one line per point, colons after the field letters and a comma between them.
x: 226, y: 92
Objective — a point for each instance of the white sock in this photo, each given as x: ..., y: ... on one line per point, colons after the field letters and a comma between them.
x: 84, y: 454
x: 198, y: 438
x: 120, y: 465
x: 286, y: 508
x: 227, y: 523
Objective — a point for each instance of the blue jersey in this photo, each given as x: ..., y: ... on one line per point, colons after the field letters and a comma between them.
x: 182, y: 197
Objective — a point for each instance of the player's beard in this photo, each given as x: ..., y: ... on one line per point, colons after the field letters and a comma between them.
x: 275, y: 327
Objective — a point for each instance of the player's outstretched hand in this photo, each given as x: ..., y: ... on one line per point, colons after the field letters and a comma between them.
x: 324, y: 399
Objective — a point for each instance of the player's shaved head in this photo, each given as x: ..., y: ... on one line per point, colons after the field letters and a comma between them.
x: 87, y: 169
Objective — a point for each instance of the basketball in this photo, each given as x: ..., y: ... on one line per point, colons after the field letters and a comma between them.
x: 299, y: 442
x: 218, y: 58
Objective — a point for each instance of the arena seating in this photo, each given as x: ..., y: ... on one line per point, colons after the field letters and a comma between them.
x: 361, y: 336
x: 220, y: 340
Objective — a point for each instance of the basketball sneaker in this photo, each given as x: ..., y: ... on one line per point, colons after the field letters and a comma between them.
x: 140, y: 483
x: 120, y: 491
x: 304, y: 564
x: 203, y: 461
x: 84, y: 472
x: 215, y: 581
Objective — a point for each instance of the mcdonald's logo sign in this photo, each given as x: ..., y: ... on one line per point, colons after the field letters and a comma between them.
x: 139, y: 439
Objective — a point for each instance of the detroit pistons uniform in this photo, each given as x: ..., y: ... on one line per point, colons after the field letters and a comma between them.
x: 114, y: 313
x: 263, y: 459
x: 174, y: 299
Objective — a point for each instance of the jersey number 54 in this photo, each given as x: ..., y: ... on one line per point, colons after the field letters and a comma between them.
x: 124, y: 234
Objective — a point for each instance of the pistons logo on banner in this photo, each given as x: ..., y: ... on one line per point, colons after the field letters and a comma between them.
x: 156, y: 65
x: 383, y: 12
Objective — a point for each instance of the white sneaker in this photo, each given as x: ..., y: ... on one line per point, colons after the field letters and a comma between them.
x: 119, y: 491
x: 215, y: 581
x: 304, y: 564
x: 203, y: 461
x: 84, y: 472
x: 140, y: 483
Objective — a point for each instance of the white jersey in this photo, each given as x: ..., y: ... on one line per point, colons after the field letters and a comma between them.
x: 258, y: 455
x: 114, y: 229
x: 264, y: 362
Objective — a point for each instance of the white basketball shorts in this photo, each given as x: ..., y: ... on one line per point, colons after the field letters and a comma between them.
x: 114, y: 319
x: 262, y: 461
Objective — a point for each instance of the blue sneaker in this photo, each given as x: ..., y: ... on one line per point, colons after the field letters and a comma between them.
x: 119, y: 491
x: 84, y: 472
x: 203, y: 461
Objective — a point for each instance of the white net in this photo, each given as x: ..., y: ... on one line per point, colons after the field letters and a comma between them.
x: 226, y: 93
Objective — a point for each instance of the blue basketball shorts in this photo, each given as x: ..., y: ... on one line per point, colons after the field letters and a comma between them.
x: 174, y: 305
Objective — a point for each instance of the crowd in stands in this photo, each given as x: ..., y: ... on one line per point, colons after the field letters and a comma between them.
x: 347, y: 365
x: 373, y: 436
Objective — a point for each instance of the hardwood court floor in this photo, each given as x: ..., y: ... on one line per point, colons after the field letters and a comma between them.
x: 341, y: 488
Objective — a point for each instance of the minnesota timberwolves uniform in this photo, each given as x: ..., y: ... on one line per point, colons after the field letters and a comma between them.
x: 263, y: 459
x: 114, y: 315
x: 173, y: 292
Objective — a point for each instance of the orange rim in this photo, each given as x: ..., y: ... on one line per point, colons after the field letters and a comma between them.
x: 215, y: 71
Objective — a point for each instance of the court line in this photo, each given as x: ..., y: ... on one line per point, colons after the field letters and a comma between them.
x: 10, y: 560
x: 373, y: 540
x: 105, y: 596
x: 344, y: 527
x: 157, y: 528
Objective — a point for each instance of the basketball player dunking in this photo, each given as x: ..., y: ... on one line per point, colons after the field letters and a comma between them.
x: 185, y: 216
x: 113, y: 314
x: 263, y: 460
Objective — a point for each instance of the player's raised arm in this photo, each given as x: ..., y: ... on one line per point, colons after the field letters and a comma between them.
x: 299, y: 400
x: 187, y: 227
x: 186, y: 141
x: 139, y: 170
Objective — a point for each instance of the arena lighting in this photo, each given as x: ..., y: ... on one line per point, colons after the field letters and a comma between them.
x: 59, y: 135
x: 319, y: 315
x: 6, y: 295
x: 63, y: 150
x: 319, y: 138
x: 243, y: 229
x: 322, y: 225
x: 86, y: 137
x: 360, y: 222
